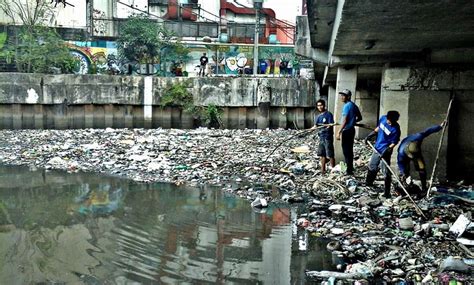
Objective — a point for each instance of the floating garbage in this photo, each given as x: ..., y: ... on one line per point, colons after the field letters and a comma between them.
x: 460, y: 225
x: 385, y: 237
x: 301, y: 149
x: 259, y: 203
x: 406, y: 223
x: 454, y: 264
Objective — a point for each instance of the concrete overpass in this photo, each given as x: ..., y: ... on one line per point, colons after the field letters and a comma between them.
x: 410, y: 56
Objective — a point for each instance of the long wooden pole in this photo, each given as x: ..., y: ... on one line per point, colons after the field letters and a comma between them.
x: 439, y: 148
x: 305, y: 132
x: 398, y: 180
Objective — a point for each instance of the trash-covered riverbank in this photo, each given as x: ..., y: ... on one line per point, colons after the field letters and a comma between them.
x: 176, y: 156
x: 377, y: 238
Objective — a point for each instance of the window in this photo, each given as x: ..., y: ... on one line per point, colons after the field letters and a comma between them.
x: 245, y: 30
x: 207, y: 29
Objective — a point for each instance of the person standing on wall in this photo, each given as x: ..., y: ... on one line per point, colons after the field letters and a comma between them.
x: 325, y: 121
x: 289, y: 68
x: 350, y: 116
x: 203, y: 64
x: 283, y: 67
x: 388, y: 136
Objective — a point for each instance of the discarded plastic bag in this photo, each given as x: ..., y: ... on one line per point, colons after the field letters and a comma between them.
x: 259, y: 203
x: 453, y: 264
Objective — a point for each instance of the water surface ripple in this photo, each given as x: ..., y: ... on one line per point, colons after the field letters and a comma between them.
x: 88, y: 229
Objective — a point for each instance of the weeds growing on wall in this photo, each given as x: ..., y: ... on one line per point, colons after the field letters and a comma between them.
x: 178, y: 95
x: 212, y: 116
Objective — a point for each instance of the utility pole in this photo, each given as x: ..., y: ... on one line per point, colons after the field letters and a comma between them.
x: 257, y: 4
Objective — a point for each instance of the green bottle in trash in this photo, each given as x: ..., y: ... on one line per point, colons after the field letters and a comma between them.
x: 181, y: 167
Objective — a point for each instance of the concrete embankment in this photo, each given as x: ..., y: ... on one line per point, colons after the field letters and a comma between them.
x: 40, y: 101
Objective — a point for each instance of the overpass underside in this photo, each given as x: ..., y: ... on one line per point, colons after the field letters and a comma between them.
x: 409, y: 56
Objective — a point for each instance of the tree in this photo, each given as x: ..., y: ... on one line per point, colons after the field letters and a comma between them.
x: 174, y: 53
x: 30, y: 13
x: 139, y: 39
x: 41, y: 50
x: 35, y: 48
x: 145, y: 41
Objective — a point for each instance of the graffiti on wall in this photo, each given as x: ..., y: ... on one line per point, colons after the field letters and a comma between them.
x: 277, y: 60
x: 101, y: 57
x: 96, y: 57
x: 100, y: 25
x: 237, y: 59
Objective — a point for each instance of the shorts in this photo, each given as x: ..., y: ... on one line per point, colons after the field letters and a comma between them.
x: 326, y: 148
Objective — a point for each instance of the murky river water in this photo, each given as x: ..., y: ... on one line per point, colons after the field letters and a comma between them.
x: 59, y: 228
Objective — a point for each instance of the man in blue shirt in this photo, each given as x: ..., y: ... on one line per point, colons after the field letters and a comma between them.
x: 350, y: 116
x: 410, y: 150
x: 388, y: 136
x: 326, y: 142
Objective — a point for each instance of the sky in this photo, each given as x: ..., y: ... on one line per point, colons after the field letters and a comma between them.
x: 284, y: 9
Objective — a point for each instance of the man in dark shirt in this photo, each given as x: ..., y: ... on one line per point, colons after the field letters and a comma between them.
x: 410, y: 150
x: 388, y: 136
x: 203, y: 63
x: 326, y: 144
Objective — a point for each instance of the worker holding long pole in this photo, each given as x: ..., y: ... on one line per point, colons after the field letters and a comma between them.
x: 387, y: 167
x: 388, y: 136
x: 326, y: 141
x: 410, y: 150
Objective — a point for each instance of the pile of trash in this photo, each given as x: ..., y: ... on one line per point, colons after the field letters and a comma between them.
x: 385, y: 239
x: 166, y: 155
x: 374, y: 238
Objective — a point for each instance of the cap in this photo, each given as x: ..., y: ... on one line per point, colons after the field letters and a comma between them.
x: 346, y: 92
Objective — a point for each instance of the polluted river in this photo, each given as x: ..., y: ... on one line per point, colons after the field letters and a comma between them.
x: 136, y: 206
x: 82, y: 228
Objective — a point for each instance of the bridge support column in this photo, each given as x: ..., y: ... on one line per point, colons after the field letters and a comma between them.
x: 369, y: 106
x: 346, y: 79
x: 332, y: 97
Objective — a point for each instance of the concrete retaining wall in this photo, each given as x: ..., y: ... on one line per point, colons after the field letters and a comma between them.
x: 99, y: 101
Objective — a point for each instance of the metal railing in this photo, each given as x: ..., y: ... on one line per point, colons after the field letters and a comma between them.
x: 111, y: 28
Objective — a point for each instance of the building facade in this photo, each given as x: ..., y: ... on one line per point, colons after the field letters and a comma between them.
x: 224, y: 30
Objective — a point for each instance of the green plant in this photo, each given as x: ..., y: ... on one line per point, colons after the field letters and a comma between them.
x: 28, y: 13
x: 212, y: 116
x: 70, y: 64
x: 3, y: 39
x: 177, y: 95
x: 146, y: 41
x: 41, y: 50
x: 173, y: 53
x: 139, y: 39
x: 5, y: 52
x: 93, y: 68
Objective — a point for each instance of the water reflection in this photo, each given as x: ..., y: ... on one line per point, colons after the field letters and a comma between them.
x: 86, y: 229
x: 100, y: 200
